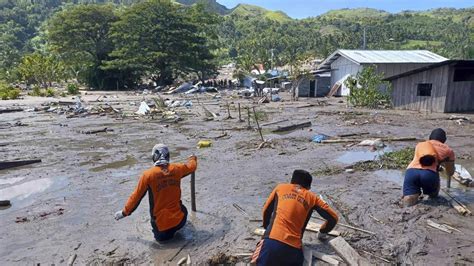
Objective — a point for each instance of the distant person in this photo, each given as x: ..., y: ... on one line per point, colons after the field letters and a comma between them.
x: 163, y: 184
x: 422, y: 175
x: 285, y: 216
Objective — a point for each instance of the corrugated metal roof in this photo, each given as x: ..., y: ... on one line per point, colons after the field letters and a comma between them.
x: 384, y: 57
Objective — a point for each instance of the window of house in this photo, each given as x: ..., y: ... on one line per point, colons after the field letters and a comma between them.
x: 424, y: 89
x: 463, y: 74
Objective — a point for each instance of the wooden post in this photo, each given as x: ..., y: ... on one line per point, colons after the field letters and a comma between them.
x: 248, y: 117
x: 258, y: 126
x: 240, y: 115
x: 193, y: 191
x: 448, y: 182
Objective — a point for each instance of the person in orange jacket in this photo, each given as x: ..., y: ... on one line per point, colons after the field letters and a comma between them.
x: 422, y: 174
x: 163, y: 184
x: 285, y: 216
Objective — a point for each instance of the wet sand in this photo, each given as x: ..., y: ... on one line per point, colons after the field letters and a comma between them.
x: 69, y: 198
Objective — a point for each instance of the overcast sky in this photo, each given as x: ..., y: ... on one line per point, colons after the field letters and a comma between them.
x: 309, y: 8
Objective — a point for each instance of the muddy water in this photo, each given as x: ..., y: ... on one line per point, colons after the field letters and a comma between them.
x: 351, y: 157
x: 26, y: 193
x: 129, y: 161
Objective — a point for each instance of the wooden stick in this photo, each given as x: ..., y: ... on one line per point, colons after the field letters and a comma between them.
x: 459, y: 206
x: 248, y: 117
x: 6, y: 165
x: 193, y: 191
x: 11, y: 110
x: 71, y: 260
x: 375, y: 256
x: 349, y: 226
x: 258, y: 126
x: 240, y: 115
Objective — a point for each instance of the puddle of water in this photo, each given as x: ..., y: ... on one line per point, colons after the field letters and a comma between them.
x: 129, y: 161
x: 26, y: 193
x: 10, y: 181
x: 351, y: 157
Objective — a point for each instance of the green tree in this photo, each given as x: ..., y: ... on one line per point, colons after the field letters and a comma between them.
x: 80, y: 35
x: 368, y: 89
x: 163, y: 40
x: 41, y: 70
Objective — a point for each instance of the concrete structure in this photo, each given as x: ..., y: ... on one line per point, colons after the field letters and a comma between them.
x: 344, y: 63
x: 444, y: 87
x: 316, y: 86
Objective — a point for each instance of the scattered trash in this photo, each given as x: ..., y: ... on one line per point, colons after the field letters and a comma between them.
x: 372, y: 142
x: 276, y: 98
x: 204, y: 144
x: 22, y: 220
x: 143, y: 109
x: 319, y: 138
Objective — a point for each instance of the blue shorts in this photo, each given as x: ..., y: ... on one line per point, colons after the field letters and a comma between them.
x: 168, y: 234
x: 418, y: 180
x: 274, y: 252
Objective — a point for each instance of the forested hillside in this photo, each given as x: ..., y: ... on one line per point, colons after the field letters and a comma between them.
x: 194, y: 36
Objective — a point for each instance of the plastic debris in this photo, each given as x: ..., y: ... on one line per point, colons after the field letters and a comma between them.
x: 372, y: 142
x: 204, y: 144
x: 143, y: 109
x: 319, y: 138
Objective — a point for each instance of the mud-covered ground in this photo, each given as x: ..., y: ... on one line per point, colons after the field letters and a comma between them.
x: 65, y: 204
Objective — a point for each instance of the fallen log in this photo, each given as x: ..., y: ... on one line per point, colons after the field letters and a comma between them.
x: 95, y: 131
x: 6, y: 165
x: 11, y: 110
x: 292, y: 127
x: 346, y: 252
x: 276, y: 122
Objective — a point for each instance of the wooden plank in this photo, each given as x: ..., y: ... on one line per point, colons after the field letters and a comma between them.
x: 6, y: 165
x: 292, y: 127
x: 11, y: 110
x: 311, y: 227
x: 346, y: 252
x: 439, y: 226
x: 326, y: 258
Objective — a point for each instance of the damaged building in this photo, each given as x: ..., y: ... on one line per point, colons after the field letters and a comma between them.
x: 444, y: 87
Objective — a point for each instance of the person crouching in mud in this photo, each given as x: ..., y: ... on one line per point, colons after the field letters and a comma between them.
x: 422, y: 174
x: 163, y: 184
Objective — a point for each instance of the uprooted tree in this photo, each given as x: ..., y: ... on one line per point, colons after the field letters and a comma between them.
x: 367, y: 89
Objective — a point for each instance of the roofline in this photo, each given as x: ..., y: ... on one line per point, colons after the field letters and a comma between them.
x: 340, y: 52
x: 435, y: 65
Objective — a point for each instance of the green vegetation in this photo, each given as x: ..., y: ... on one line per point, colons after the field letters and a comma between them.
x: 114, y: 44
x: 72, y: 89
x: 7, y: 92
x: 390, y: 160
x: 368, y: 90
x: 37, y: 91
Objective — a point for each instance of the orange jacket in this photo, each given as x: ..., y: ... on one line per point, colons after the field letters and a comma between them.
x: 288, y: 210
x: 439, y: 150
x: 164, y: 191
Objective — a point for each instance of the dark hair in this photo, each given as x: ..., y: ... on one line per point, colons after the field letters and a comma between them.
x: 427, y: 160
x: 438, y: 134
x: 302, y: 178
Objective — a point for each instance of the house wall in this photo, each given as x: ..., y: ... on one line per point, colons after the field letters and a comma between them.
x: 323, y: 86
x: 303, y: 89
x: 404, y: 90
x: 460, y: 95
x: 390, y: 70
x: 342, y: 67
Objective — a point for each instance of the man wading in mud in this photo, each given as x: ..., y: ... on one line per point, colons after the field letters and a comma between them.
x: 285, y: 216
x: 422, y: 174
x: 163, y: 184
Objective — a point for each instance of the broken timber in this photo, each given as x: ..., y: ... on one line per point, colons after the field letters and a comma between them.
x: 326, y: 258
x: 292, y: 127
x: 95, y: 131
x: 6, y: 165
x: 346, y: 252
x: 312, y: 227
x: 457, y: 205
x: 11, y: 110
x: 442, y: 227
